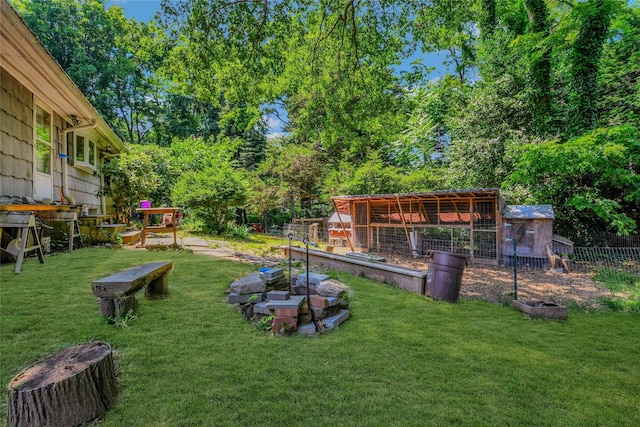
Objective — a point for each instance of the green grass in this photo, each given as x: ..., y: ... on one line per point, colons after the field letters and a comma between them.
x: 401, y: 359
x: 620, y: 282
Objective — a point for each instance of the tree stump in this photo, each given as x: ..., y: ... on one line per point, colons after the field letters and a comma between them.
x: 73, y: 387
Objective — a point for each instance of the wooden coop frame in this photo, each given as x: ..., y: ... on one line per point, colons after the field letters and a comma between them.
x: 466, y: 222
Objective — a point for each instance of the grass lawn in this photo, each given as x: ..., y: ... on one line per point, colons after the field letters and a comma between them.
x: 401, y: 359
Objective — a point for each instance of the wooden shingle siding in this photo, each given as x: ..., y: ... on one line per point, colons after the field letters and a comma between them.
x: 14, y: 87
x: 16, y: 134
x: 84, y: 187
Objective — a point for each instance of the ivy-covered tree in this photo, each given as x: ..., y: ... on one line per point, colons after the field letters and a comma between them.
x: 619, y: 73
x: 594, y: 17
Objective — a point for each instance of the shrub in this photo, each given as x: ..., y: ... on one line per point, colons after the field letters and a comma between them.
x: 211, y: 195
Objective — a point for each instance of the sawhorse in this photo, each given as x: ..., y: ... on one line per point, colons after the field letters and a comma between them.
x: 25, y: 221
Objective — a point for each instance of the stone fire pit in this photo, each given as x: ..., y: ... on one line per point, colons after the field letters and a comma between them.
x: 265, y: 299
x: 536, y: 308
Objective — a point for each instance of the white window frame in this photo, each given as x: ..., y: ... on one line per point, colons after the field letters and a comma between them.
x: 39, y: 104
x: 83, y: 139
x: 42, y: 182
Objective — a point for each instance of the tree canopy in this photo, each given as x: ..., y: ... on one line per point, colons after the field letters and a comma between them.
x: 539, y: 98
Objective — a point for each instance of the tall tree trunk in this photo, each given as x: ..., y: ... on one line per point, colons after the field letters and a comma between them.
x: 540, y: 67
x: 487, y: 18
x: 586, y: 52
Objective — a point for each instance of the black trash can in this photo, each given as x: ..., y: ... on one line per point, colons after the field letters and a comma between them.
x: 444, y: 275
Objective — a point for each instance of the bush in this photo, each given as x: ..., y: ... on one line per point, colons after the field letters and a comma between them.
x: 211, y: 195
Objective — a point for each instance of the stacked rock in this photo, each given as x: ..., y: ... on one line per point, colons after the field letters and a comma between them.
x: 264, y: 298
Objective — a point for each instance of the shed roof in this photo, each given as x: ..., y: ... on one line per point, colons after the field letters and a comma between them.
x: 528, y: 212
x: 335, y: 218
x: 342, y: 202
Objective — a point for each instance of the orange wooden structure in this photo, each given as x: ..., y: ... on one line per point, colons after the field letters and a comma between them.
x: 458, y: 221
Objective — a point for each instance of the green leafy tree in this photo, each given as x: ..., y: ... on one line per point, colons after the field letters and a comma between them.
x: 373, y: 177
x: 135, y: 176
x: 591, y: 180
x: 328, y: 64
x: 197, y: 154
x: 104, y: 55
x: 297, y: 169
x: 426, y: 137
x: 211, y: 195
x: 449, y: 26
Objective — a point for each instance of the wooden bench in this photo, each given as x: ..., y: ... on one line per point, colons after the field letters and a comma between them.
x: 117, y: 292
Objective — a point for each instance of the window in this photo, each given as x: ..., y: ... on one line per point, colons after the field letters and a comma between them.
x: 79, y: 149
x: 85, y: 153
x: 70, y: 149
x: 43, y: 160
x: 43, y: 141
x: 92, y: 154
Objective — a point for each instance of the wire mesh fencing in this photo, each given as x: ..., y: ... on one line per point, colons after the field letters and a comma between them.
x: 609, y: 264
x: 596, y: 260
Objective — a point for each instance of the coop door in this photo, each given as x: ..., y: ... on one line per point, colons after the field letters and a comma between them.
x: 361, y: 225
x: 522, y: 232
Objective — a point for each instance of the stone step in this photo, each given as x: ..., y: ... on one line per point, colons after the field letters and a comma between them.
x: 334, y: 321
x: 314, y: 278
x: 272, y: 275
x: 294, y: 301
x: 249, y: 284
x: 308, y: 329
x: 324, y: 302
x: 261, y: 308
x: 284, y: 324
x: 333, y: 301
x: 278, y: 295
x: 235, y: 298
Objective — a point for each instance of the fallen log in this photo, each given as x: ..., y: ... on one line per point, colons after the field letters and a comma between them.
x: 73, y: 387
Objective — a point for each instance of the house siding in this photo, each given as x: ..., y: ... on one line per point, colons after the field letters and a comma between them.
x: 84, y: 188
x: 16, y: 149
x: 16, y: 135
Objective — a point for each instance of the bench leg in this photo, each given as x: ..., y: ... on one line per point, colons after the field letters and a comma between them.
x: 118, y: 307
x: 158, y: 286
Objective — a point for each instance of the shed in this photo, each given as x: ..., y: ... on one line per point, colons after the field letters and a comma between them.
x: 532, y: 228
x: 339, y: 228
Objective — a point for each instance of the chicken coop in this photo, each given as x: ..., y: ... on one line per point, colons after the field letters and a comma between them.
x: 531, y: 228
x: 466, y: 222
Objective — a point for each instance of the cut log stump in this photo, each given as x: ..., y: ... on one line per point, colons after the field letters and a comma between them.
x: 73, y: 387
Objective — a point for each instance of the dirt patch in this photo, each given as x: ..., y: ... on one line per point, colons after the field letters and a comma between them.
x: 490, y: 283
x: 495, y: 284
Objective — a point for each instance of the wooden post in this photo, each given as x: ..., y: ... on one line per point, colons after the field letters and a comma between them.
x: 406, y: 230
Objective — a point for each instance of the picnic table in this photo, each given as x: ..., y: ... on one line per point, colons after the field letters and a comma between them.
x: 169, y: 222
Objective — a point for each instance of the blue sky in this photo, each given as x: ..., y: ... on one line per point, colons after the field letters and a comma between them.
x: 140, y: 10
